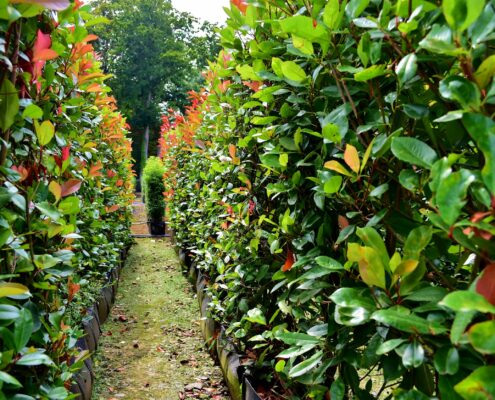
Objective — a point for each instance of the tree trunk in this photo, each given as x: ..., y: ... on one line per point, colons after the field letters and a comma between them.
x: 146, y: 138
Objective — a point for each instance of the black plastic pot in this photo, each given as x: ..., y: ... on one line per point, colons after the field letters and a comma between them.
x: 92, y: 332
x: 157, y: 228
x: 248, y: 391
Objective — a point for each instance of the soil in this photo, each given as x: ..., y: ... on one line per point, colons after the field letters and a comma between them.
x: 151, y: 347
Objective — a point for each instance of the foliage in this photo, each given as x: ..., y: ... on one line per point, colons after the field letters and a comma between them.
x: 155, y: 54
x: 65, y: 192
x: 339, y: 193
x: 153, y: 188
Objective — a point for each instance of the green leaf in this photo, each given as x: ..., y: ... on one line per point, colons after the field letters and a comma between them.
x: 416, y: 242
x: 296, y: 351
x: 402, y: 319
x: 446, y: 361
x: 413, y: 151
x: 331, y: 133
x: 329, y: 263
x: 256, y: 316
x: 413, y: 355
x: 70, y: 205
x: 303, y: 45
x: 23, y: 329
x: 32, y: 359
x: 306, y: 365
x: 12, y: 289
x: 485, y: 72
x: 333, y: 14
x: 9, y: 379
x: 333, y: 185
x: 32, y: 111
x: 9, y: 104
x: 303, y: 27
x: 356, y: 7
x: 354, y: 306
x: 459, y: 89
x: 409, y: 179
x: 389, y: 345
x: 460, y: 14
x: 463, y: 300
x: 370, y: 262
x: 372, y: 238
x: 416, y: 111
x: 439, y: 41
x: 296, y: 338
x: 44, y: 132
x: 479, y: 385
x: 293, y: 72
x: 461, y: 321
x: 45, y: 261
x: 407, y: 68
x: 482, y: 130
x: 370, y: 73
x: 451, y: 193
x: 363, y: 49
x: 8, y: 312
x: 49, y: 210
x: 482, y: 337
x: 337, y: 390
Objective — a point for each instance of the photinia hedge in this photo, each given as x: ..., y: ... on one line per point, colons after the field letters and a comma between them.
x: 339, y: 193
x: 65, y: 192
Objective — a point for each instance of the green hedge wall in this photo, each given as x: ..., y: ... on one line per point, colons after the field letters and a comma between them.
x: 340, y: 195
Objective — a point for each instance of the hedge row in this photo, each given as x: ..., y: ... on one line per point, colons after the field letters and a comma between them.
x: 339, y: 193
x: 65, y: 194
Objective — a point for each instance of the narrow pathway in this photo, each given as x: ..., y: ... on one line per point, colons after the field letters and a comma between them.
x: 139, y: 223
x: 151, y: 347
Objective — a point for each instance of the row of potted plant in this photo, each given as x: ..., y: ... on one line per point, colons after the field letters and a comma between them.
x: 65, y: 193
x: 336, y: 189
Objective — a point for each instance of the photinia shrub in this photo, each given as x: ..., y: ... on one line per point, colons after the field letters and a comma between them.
x: 153, y: 188
x: 339, y: 194
x: 65, y: 192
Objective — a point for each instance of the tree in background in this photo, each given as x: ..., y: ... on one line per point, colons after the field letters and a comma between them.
x: 155, y: 54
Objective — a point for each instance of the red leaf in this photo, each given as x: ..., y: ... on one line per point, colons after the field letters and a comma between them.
x: 289, y: 261
x: 70, y: 187
x: 45, y: 55
x: 241, y: 5
x: 73, y: 289
x: 112, y: 209
x: 65, y: 153
x: 486, y: 284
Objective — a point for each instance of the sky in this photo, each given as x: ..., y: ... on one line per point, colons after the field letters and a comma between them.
x: 209, y: 10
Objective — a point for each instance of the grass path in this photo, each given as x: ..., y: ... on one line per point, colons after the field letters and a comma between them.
x: 151, y: 347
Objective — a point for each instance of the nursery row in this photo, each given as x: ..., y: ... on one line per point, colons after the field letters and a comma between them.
x: 335, y: 184
x: 65, y: 192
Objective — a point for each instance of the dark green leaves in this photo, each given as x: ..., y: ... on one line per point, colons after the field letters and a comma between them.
x: 477, y: 385
x: 459, y: 89
x: 23, y: 329
x: 413, y: 151
x: 9, y: 104
x: 354, y: 306
x: 402, y: 319
x: 482, y: 337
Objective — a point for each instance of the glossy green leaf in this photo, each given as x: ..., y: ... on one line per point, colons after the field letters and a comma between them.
x: 413, y: 355
x: 12, y: 289
x: 403, y: 320
x: 293, y: 71
x: 459, y: 89
x: 463, y: 300
x: 9, y: 104
x: 44, y: 132
x: 356, y: 7
x: 451, y: 194
x: 256, y: 316
x: 482, y: 337
x: 478, y: 384
x: 413, y: 151
x: 32, y: 111
x: 33, y: 359
x: 9, y: 379
x: 407, y: 68
x: 389, y: 345
x: 460, y: 14
x: 296, y: 338
x: 447, y: 361
x: 23, y: 329
x: 482, y: 130
x: 370, y: 73
x: 306, y: 365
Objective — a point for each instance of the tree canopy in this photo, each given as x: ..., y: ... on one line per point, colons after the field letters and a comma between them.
x: 155, y: 55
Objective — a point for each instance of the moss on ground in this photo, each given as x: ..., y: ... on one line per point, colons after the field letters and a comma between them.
x: 151, y: 346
